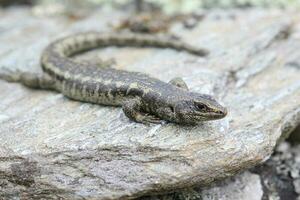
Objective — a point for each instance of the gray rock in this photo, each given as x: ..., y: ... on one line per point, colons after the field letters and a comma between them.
x: 52, y: 147
x: 271, y: 180
x: 280, y: 173
x: 246, y: 186
x: 297, y: 185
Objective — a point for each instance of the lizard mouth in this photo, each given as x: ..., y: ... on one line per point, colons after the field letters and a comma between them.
x: 209, y: 116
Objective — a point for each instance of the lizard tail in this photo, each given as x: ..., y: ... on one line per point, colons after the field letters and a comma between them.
x: 10, y: 75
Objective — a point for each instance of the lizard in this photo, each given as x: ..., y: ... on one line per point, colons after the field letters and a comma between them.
x: 143, y: 98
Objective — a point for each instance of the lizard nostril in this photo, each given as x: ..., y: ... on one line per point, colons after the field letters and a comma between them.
x: 172, y: 109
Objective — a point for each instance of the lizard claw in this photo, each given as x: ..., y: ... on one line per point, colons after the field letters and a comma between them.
x: 151, y: 119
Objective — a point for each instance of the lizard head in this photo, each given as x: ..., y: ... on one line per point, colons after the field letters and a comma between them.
x: 198, y: 108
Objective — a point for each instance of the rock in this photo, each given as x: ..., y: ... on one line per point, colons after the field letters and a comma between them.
x: 279, y: 174
x: 52, y: 147
x: 246, y: 186
x: 271, y: 180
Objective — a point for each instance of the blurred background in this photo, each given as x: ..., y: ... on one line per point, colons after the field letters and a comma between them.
x: 145, y: 16
x: 168, y: 6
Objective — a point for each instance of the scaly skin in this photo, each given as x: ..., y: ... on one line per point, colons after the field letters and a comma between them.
x: 143, y: 98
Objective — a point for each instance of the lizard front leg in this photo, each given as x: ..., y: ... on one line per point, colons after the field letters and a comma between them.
x: 179, y: 82
x: 133, y: 110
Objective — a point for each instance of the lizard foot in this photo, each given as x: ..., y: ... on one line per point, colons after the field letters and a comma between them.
x: 133, y: 110
x: 148, y: 118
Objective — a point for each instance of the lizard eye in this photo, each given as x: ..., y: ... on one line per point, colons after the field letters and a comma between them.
x: 202, y: 107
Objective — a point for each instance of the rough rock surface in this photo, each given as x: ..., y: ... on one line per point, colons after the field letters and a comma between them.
x: 278, y: 178
x: 245, y: 186
x: 280, y: 175
x: 52, y: 147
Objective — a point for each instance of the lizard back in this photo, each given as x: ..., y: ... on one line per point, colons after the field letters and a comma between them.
x: 92, y: 83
